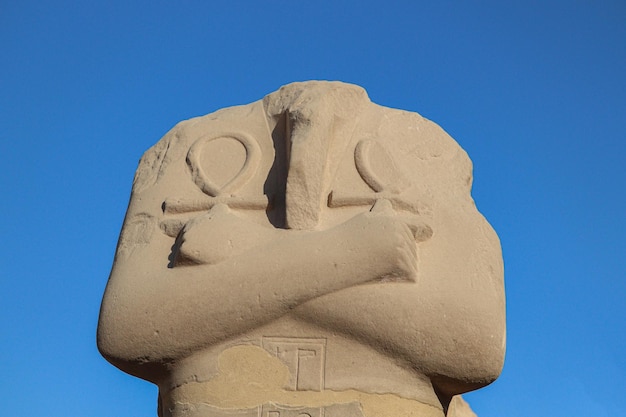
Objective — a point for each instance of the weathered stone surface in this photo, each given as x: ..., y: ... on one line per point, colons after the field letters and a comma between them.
x: 460, y: 408
x: 309, y: 254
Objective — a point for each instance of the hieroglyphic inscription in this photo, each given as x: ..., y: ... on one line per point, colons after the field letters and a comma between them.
x: 275, y: 410
x: 304, y: 357
x: 351, y: 409
x: 207, y: 410
x: 137, y: 232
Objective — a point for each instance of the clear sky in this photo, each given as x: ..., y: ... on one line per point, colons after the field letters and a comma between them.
x: 534, y: 91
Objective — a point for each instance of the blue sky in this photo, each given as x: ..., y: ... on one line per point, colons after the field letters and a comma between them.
x: 534, y: 91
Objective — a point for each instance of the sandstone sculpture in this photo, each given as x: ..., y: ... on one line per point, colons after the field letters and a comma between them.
x: 310, y: 254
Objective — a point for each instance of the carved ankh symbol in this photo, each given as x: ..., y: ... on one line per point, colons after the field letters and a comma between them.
x: 380, y: 173
x: 225, y: 193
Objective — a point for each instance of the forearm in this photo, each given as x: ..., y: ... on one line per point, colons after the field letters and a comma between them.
x: 170, y: 312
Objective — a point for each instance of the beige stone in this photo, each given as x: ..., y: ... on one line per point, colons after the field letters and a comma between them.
x: 310, y: 254
x: 460, y: 408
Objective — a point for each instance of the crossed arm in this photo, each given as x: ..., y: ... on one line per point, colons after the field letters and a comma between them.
x: 154, y: 314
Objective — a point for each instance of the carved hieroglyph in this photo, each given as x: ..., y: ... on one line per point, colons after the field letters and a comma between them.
x: 310, y: 254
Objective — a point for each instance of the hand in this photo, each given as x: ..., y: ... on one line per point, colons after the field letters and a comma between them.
x: 389, y: 243
x: 217, y: 235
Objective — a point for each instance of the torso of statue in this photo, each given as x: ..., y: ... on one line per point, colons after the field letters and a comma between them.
x: 293, y: 258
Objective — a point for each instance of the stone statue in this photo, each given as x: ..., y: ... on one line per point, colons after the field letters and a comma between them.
x: 311, y: 254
